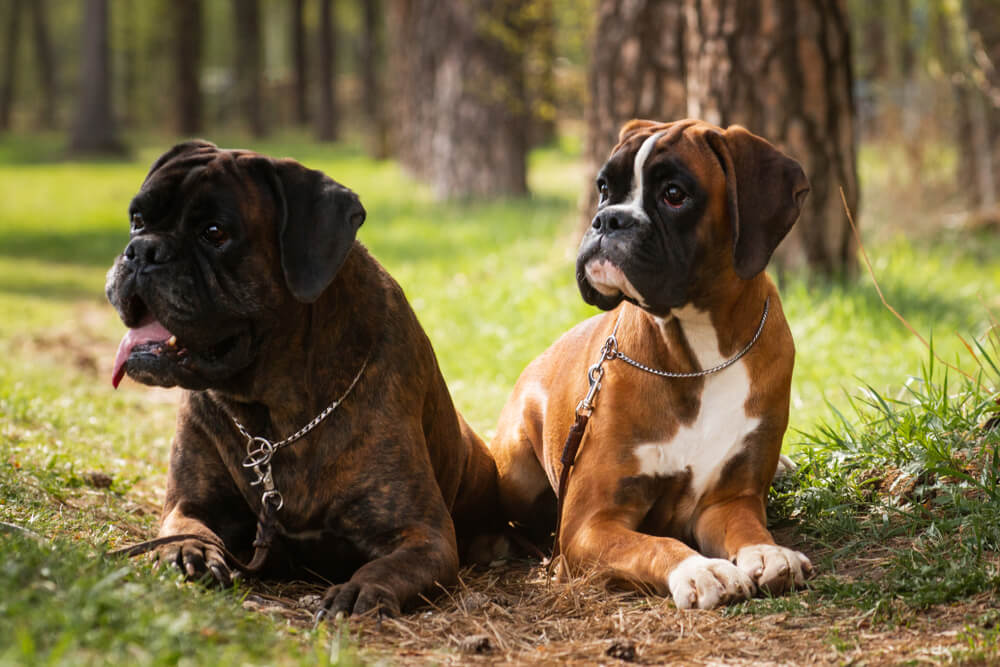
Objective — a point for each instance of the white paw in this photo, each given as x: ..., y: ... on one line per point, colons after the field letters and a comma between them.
x: 773, y: 568
x: 704, y: 583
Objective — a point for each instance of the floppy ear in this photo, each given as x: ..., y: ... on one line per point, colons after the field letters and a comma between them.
x: 633, y: 126
x: 765, y: 188
x: 319, y: 221
x: 196, y: 146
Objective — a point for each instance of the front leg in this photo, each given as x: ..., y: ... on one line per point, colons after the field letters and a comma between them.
x: 735, y: 529
x: 424, y: 558
x: 665, y: 565
x: 202, y: 498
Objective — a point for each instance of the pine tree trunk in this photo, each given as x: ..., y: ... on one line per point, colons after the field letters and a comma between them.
x: 12, y: 36
x: 187, y: 15
x: 94, y: 130
x: 783, y: 70
x: 249, y: 64
x: 326, y: 114
x: 371, y: 59
x: 540, y: 74
x: 299, y: 62
x: 636, y: 71
x: 45, y: 63
x: 463, y: 121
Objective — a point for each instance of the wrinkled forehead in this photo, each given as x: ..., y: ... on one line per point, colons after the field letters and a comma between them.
x: 680, y: 144
x: 205, y: 178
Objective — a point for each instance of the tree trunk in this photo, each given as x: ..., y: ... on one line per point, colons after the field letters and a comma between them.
x: 327, y: 120
x: 45, y: 64
x: 783, y: 70
x: 978, y: 96
x: 94, y: 130
x: 187, y: 15
x: 371, y: 61
x: 464, y: 121
x: 636, y: 71
x: 7, y: 88
x: 299, y: 66
x: 540, y: 74
x: 249, y: 64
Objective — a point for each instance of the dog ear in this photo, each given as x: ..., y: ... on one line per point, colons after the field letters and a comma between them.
x: 632, y: 127
x: 194, y: 146
x: 766, y: 190
x: 319, y: 219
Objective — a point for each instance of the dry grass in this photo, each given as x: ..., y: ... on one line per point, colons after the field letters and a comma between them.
x: 515, y: 613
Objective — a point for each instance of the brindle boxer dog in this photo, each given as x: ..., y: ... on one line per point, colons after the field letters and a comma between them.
x: 670, y: 482
x: 243, y: 283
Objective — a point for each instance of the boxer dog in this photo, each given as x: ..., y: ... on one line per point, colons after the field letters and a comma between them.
x: 243, y: 283
x: 669, y: 486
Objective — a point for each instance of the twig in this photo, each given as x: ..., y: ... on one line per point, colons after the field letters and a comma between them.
x: 871, y: 272
x: 13, y: 527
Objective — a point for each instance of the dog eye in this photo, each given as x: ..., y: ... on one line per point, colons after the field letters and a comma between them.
x: 137, y: 223
x: 215, y: 235
x: 673, y: 195
x: 602, y: 189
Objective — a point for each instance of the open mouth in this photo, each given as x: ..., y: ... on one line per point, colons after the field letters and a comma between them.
x: 149, y: 344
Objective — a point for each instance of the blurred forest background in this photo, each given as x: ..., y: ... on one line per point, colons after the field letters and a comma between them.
x: 459, y: 91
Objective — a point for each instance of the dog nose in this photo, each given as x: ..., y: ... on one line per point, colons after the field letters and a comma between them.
x: 609, y: 220
x: 149, y: 251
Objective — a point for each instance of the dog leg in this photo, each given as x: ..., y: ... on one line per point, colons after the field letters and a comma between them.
x: 735, y: 529
x: 196, y: 558
x: 664, y: 564
x: 425, y: 558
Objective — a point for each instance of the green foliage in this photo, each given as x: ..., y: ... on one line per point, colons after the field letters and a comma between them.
x: 909, y: 484
x: 64, y: 604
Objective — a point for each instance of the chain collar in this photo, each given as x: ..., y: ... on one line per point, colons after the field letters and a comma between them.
x: 260, y: 450
x: 610, y: 352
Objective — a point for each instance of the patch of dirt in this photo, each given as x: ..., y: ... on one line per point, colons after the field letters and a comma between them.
x: 514, y: 613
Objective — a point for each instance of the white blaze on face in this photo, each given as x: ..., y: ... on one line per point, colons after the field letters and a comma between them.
x: 717, y: 433
x: 604, y: 276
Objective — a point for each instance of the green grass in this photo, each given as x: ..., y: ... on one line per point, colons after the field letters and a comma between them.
x: 493, y: 286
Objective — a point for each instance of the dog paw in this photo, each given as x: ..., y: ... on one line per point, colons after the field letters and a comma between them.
x: 196, y: 559
x: 704, y: 583
x: 774, y: 569
x: 359, y: 598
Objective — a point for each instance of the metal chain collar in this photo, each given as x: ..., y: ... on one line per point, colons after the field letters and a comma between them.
x: 610, y: 351
x: 260, y: 450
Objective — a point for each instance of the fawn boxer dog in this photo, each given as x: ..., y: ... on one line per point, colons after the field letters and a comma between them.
x: 315, y: 412
x: 669, y: 486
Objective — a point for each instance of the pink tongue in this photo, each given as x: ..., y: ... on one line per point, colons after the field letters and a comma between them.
x: 149, y: 330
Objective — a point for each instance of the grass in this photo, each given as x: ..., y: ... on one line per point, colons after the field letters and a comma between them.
x: 493, y: 285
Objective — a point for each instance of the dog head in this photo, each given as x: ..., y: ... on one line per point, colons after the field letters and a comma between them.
x: 221, y: 241
x: 682, y: 204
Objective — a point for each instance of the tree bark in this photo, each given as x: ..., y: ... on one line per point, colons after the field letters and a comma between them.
x: 94, y: 130
x: 371, y: 61
x: 327, y: 120
x: 463, y: 120
x: 540, y: 73
x: 11, y: 43
x: 978, y: 97
x: 637, y: 70
x: 299, y: 62
x: 187, y: 15
x: 249, y: 64
x: 783, y: 70
x: 45, y: 63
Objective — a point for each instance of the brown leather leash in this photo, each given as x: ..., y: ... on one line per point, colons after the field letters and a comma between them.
x: 268, y: 527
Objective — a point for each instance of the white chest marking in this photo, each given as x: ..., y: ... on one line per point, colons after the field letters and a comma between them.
x: 706, y: 445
